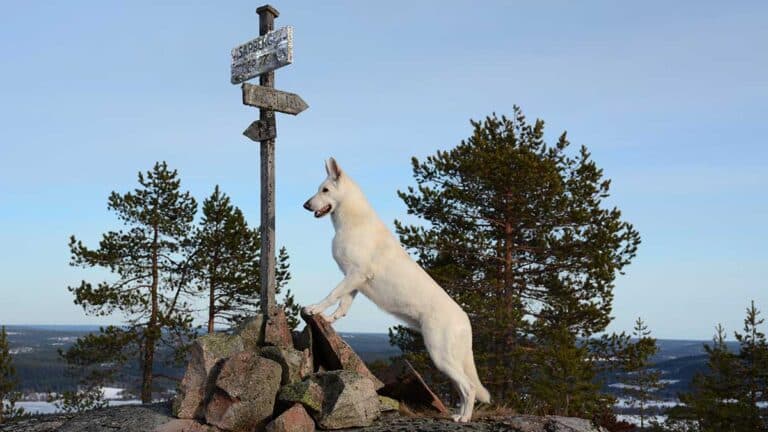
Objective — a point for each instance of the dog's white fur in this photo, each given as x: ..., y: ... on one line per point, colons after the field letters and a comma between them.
x: 375, y: 264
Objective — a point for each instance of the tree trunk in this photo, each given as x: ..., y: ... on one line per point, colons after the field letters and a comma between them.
x: 152, y: 331
x: 510, y: 328
x: 211, y: 301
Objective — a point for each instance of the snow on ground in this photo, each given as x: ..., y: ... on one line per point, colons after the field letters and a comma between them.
x: 628, y: 403
x: 37, y: 407
x: 34, y: 407
x: 624, y: 386
x: 634, y: 387
x: 111, y: 393
x: 113, y: 396
x: 20, y: 350
x: 63, y: 338
x: 635, y: 419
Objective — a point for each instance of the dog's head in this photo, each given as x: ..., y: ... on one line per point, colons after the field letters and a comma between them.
x: 328, y: 194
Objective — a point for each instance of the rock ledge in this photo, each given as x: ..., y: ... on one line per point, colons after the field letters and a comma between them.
x: 157, y: 417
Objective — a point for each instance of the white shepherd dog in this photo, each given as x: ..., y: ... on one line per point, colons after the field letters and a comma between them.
x: 374, y: 263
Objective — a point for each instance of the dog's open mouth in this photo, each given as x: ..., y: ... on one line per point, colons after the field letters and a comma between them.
x: 323, y: 211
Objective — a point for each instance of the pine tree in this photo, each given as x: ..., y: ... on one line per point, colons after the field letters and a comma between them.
x: 8, y: 394
x: 147, y: 261
x: 642, y: 381
x: 518, y: 235
x: 226, y: 264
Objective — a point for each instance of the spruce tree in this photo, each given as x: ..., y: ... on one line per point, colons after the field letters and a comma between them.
x: 753, y: 362
x: 226, y: 264
x: 728, y: 395
x: 642, y: 381
x: 516, y: 232
x: 713, y: 403
x: 147, y: 262
x: 561, y: 383
x: 8, y: 394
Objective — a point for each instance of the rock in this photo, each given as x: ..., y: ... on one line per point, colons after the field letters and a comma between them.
x: 32, y: 425
x: 294, y: 419
x: 205, y: 355
x: 154, y: 417
x: 276, y: 331
x: 394, y: 422
x: 296, y: 364
x: 402, y: 382
x: 336, y: 399
x: 569, y: 424
x: 307, y: 392
x: 529, y: 423
x: 331, y: 352
x: 185, y: 425
x: 388, y: 404
x: 302, y: 341
x: 251, y: 330
x: 245, y: 392
x: 350, y: 400
x: 124, y: 418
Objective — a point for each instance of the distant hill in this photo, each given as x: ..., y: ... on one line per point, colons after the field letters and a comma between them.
x: 675, y: 348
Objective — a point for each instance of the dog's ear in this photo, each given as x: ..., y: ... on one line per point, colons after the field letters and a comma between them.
x: 332, y: 169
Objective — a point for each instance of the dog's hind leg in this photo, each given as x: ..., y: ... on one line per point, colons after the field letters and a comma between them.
x: 466, y: 391
x: 447, y: 350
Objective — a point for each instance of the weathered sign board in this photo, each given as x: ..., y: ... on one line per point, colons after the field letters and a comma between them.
x: 261, y: 130
x: 274, y: 100
x: 264, y: 54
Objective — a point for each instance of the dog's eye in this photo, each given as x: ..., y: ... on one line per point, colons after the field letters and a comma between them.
x: 325, y: 189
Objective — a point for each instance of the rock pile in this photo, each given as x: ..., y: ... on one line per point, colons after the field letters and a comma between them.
x: 263, y: 377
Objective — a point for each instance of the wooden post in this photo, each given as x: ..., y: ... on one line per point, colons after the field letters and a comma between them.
x: 267, y: 15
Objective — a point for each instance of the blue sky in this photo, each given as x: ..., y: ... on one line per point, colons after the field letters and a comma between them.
x: 670, y: 97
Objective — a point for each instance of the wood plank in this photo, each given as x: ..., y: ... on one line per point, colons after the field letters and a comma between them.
x: 271, y: 99
x: 261, y: 131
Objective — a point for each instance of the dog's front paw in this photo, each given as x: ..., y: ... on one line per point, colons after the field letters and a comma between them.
x: 313, y: 309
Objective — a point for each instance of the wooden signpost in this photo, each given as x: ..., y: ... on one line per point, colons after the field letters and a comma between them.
x: 273, y: 49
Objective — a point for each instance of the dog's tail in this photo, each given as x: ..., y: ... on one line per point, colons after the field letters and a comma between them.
x: 469, y: 368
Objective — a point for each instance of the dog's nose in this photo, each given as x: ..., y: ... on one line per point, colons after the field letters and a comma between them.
x: 307, y: 206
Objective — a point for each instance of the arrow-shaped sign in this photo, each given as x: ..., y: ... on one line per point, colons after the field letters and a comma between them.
x: 261, y: 130
x: 271, y: 99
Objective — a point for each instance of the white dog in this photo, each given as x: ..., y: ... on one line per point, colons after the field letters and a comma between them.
x: 374, y: 263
